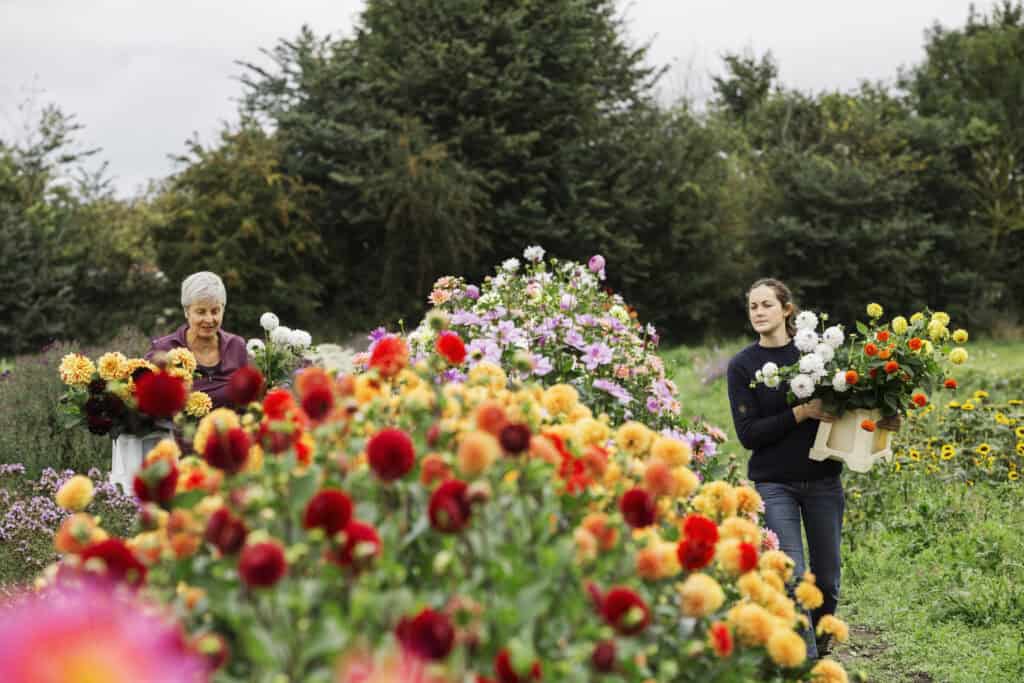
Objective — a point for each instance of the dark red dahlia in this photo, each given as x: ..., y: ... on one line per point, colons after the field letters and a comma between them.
x: 428, y: 635
x: 625, y: 610
x: 156, y: 483
x: 638, y: 508
x: 391, y: 454
x: 449, y: 507
x: 228, y: 450
x: 329, y: 509
x: 515, y: 438
x: 694, y: 553
x: 262, y: 565
x: 360, y: 546
x: 245, y: 385
x: 506, y: 674
x: 99, y: 424
x: 318, y: 401
x: 225, y: 531
x: 700, y: 528
x: 603, y: 657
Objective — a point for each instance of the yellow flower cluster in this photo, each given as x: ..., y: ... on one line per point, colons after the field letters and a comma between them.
x: 198, y: 404
x: 75, y: 494
x: 181, y: 363
x: 113, y: 366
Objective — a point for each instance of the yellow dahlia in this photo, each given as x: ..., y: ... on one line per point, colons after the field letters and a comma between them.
x: 76, y: 369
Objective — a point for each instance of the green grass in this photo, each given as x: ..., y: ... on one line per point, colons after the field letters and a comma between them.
x: 933, y: 584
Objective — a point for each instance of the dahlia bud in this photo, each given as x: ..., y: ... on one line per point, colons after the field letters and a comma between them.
x: 479, y: 492
x: 437, y: 320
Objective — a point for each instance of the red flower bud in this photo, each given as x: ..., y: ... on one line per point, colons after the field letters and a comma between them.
x: 120, y: 563
x: 748, y: 557
x: 603, y: 657
x: 515, y: 438
x: 157, y: 482
x: 359, y: 546
x: 506, y: 674
x: 225, y: 531
x: 228, y: 450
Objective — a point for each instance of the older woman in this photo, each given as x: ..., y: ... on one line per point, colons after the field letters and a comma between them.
x: 218, y: 353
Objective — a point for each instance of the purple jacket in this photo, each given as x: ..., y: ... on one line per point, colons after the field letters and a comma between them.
x: 212, y: 381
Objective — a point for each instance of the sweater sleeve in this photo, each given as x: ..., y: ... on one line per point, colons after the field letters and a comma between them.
x: 753, y: 429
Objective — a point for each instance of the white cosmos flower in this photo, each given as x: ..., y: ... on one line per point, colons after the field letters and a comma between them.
x: 773, y: 381
x: 769, y: 369
x: 812, y: 364
x: 253, y: 346
x: 511, y: 265
x: 834, y: 336
x: 802, y: 386
x: 806, y: 340
x: 806, y: 320
x: 281, y: 335
x: 826, y: 352
x: 269, y: 321
x: 301, y: 339
x: 839, y: 381
x: 759, y: 376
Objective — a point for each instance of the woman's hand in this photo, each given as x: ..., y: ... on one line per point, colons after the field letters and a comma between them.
x: 891, y: 423
x: 812, y: 410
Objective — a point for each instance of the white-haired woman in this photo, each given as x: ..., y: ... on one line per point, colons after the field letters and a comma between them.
x: 218, y: 354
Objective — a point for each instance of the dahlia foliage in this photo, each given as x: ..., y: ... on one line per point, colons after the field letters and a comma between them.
x: 117, y: 395
x: 888, y: 366
x: 384, y: 526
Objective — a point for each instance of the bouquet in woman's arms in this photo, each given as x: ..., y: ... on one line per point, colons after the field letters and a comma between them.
x: 890, y: 367
x: 120, y: 395
x: 281, y: 352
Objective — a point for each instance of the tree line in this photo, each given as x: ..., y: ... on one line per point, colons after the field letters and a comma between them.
x: 443, y: 136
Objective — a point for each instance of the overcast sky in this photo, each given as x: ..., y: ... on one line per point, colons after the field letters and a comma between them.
x: 143, y: 76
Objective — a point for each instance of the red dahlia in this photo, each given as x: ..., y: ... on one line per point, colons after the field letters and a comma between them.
x: 318, y: 402
x: 515, y: 438
x: 428, y: 635
x: 262, y: 564
x: 700, y: 528
x: 226, y: 532
x: 389, y: 356
x: 360, y: 545
x: 160, y: 394
x: 638, y: 508
x: 625, y: 611
x: 748, y: 557
x: 450, y: 345
x: 391, y: 454
x: 120, y: 563
x: 228, y: 450
x: 330, y: 510
x: 449, y: 507
x: 245, y: 385
x: 277, y: 403
x: 694, y: 553
x: 156, y: 483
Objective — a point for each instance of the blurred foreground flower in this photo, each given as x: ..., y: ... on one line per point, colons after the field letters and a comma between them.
x: 84, y: 634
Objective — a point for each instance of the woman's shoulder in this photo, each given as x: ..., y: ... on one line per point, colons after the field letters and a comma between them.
x: 232, y: 339
x: 745, y: 356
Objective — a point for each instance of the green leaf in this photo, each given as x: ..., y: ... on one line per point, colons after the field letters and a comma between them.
x: 188, y: 499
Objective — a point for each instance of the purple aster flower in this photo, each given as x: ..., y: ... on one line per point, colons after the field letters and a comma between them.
x: 586, y: 320
x: 653, y: 405
x: 508, y: 333
x: 596, y: 263
x: 377, y: 334
x: 472, y: 292
x: 467, y: 318
x: 597, y: 354
x: 486, y: 349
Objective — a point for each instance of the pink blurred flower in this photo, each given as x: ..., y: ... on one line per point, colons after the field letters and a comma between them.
x: 75, y: 634
x: 769, y: 541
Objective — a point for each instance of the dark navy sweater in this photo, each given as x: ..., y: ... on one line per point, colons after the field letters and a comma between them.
x: 765, y: 423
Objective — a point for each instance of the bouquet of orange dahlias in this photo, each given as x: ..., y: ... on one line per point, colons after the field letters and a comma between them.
x: 119, y: 395
x: 491, y: 530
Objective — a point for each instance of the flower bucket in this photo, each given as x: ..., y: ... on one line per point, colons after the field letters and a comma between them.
x: 844, y: 440
x: 127, y: 454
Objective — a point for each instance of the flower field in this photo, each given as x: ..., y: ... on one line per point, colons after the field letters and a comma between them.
x: 461, y: 510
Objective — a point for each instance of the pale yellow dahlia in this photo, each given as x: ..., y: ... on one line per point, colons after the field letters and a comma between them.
x: 76, y: 369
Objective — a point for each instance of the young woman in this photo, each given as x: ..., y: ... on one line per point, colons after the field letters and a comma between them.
x: 797, y: 491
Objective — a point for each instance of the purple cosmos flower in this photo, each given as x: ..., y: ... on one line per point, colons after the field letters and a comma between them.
x: 472, y: 292
x: 377, y: 334
x: 486, y: 349
x: 541, y: 365
x: 574, y: 339
x: 597, y: 354
x: 615, y: 390
x: 703, y: 446
x: 452, y: 376
x: 508, y: 333
x: 596, y: 263
x: 467, y: 318
x: 567, y: 302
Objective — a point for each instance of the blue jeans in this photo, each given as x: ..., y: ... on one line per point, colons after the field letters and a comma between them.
x: 819, y: 504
